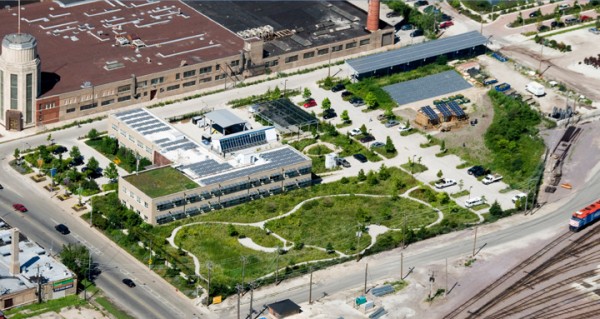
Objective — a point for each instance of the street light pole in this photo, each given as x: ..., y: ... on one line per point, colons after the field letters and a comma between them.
x: 470, y: 187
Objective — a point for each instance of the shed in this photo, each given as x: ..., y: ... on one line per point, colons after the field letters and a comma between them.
x: 284, y: 308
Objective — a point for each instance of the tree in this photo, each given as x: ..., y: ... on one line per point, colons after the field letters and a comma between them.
x: 328, y: 82
x: 77, y: 258
x: 326, y: 104
x: 461, y: 184
x: 49, y: 138
x: 17, y: 154
x: 329, y: 248
x: 111, y: 172
x: 75, y: 153
x: 307, y: 93
x: 345, y: 116
x: 92, y: 165
x: 276, y: 93
x: 372, y: 178
x: 496, y: 210
x: 371, y: 100
x: 361, y: 175
x: 363, y: 129
x: 93, y: 134
x: 389, y: 145
x: 384, y: 173
x: 441, y: 60
x: 440, y: 174
x: 443, y: 145
x: 389, y: 113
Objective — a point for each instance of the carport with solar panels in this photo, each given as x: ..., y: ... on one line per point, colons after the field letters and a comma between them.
x: 286, y: 117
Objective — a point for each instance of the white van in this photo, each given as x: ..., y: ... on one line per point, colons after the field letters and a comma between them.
x: 536, y: 89
x: 474, y: 202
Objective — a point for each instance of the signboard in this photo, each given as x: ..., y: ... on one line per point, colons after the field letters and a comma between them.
x: 117, y: 161
x: 62, y: 285
x: 40, y: 162
x: 217, y: 299
x: 52, y: 172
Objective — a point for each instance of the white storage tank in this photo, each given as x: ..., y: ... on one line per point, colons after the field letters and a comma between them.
x: 330, y: 161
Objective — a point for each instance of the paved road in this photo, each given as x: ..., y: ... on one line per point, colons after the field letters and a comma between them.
x: 152, y: 298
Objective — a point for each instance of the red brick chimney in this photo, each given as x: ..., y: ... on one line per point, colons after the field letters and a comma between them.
x: 373, y: 16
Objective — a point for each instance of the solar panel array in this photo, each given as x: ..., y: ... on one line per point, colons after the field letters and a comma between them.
x: 242, y: 140
x: 433, y: 117
x: 276, y: 159
x: 416, y: 52
x: 456, y: 109
x: 446, y: 114
x: 207, y: 167
x: 427, y: 87
x: 142, y: 121
x: 283, y: 114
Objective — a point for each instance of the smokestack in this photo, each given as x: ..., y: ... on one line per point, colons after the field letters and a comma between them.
x: 373, y: 16
x: 15, y: 265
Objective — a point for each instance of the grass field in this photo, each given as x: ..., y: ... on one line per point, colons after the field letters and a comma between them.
x: 161, y: 181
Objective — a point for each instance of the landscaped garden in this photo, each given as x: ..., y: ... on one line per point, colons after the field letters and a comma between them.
x: 161, y: 181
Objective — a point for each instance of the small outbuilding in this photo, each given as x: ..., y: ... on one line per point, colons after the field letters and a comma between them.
x: 283, y: 309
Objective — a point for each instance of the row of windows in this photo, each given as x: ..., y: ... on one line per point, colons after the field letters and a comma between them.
x: 320, y: 52
x: 132, y: 138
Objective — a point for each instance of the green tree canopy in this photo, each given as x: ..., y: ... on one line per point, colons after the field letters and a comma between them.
x: 111, y: 172
x: 326, y: 104
x: 77, y: 258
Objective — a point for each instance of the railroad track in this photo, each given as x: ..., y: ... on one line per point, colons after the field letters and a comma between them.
x: 539, y: 274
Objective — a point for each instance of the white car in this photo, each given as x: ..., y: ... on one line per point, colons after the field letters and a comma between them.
x: 518, y: 196
x: 405, y: 128
x: 443, y: 183
x: 355, y: 131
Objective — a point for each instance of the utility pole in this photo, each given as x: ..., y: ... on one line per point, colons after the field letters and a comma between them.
x: 239, y: 290
x: 251, y: 311
x: 404, y: 231
x: 431, y: 281
x: 89, y: 270
x: 209, y: 266
x: 366, y: 269
x: 358, y: 235
x: 277, y: 267
x: 401, y: 266
x: 541, y: 58
x: 310, y: 287
x: 474, y: 241
x: 446, y: 291
x: 243, y: 270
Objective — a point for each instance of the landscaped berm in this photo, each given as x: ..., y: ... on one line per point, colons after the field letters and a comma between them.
x: 161, y: 181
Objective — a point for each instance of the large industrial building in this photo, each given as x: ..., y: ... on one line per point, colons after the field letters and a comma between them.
x: 28, y: 274
x: 191, y: 178
x: 65, y: 59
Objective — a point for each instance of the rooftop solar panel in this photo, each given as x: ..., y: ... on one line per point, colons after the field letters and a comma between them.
x: 136, y: 125
x: 125, y: 113
x: 456, y: 109
x: 134, y: 115
x: 138, y: 119
x: 444, y: 110
x: 417, y: 52
x: 161, y: 129
x: 430, y: 113
x: 150, y: 127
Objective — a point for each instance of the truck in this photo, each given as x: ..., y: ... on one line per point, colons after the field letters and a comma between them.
x: 491, y: 178
x: 443, y: 183
x: 502, y: 87
x: 535, y: 89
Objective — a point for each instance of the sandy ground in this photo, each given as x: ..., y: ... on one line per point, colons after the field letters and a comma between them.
x: 73, y: 313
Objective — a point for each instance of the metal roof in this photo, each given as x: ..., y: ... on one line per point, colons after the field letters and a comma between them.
x: 224, y: 118
x: 416, y: 52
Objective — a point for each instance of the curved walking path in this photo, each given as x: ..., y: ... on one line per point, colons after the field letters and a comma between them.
x: 373, y: 230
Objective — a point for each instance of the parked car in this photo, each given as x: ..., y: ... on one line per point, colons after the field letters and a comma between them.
x: 557, y: 24
x: 404, y: 128
x: 367, y: 139
x: 407, y: 27
x: 571, y: 20
x: 355, y: 131
x: 391, y: 123
x: 63, y: 229
x: 584, y: 18
x: 491, y: 178
x: 392, y: 14
x: 20, y: 207
x: 338, y: 87
x: 129, y: 283
x: 563, y: 7
x: 356, y: 101
x: 310, y: 103
x: 59, y: 150
x: 1, y: 187
x: 377, y: 144
x: 329, y: 114
x: 534, y: 14
x: 543, y: 28
x: 381, y: 117
x: 361, y: 158
x: 594, y: 31
x: 446, y: 17
x: 343, y: 162
x: 443, y: 183
x: 477, y: 171
x: 474, y: 202
x: 346, y: 94
x: 421, y: 3
x: 517, y: 197
x: 416, y: 33
x: 446, y: 24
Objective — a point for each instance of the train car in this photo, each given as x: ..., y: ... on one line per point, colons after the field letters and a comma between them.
x: 585, y: 217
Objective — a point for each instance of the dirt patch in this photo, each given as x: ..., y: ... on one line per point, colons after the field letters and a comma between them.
x: 73, y: 313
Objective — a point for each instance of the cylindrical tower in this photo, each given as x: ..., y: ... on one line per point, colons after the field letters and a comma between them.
x: 373, y: 15
x: 20, y: 79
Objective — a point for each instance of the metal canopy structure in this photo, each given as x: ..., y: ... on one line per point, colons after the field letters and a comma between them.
x: 224, y: 118
x: 374, y: 64
x: 285, y: 116
x: 426, y: 87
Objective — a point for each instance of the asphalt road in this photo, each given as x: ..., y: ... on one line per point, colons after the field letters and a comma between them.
x: 152, y: 298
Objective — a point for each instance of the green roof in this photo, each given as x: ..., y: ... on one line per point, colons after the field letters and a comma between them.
x: 161, y: 181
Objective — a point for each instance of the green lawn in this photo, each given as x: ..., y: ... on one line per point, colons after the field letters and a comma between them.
x: 211, y: 242
x: 319, y: 150
x: 112, y: 309
x: 161, y: 181
x: 48, y: 306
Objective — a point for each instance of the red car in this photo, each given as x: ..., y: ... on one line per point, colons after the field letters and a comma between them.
x: 584, y: 18
x: 20, y: 208
x: 310, y: 103
x: 446, y: 24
